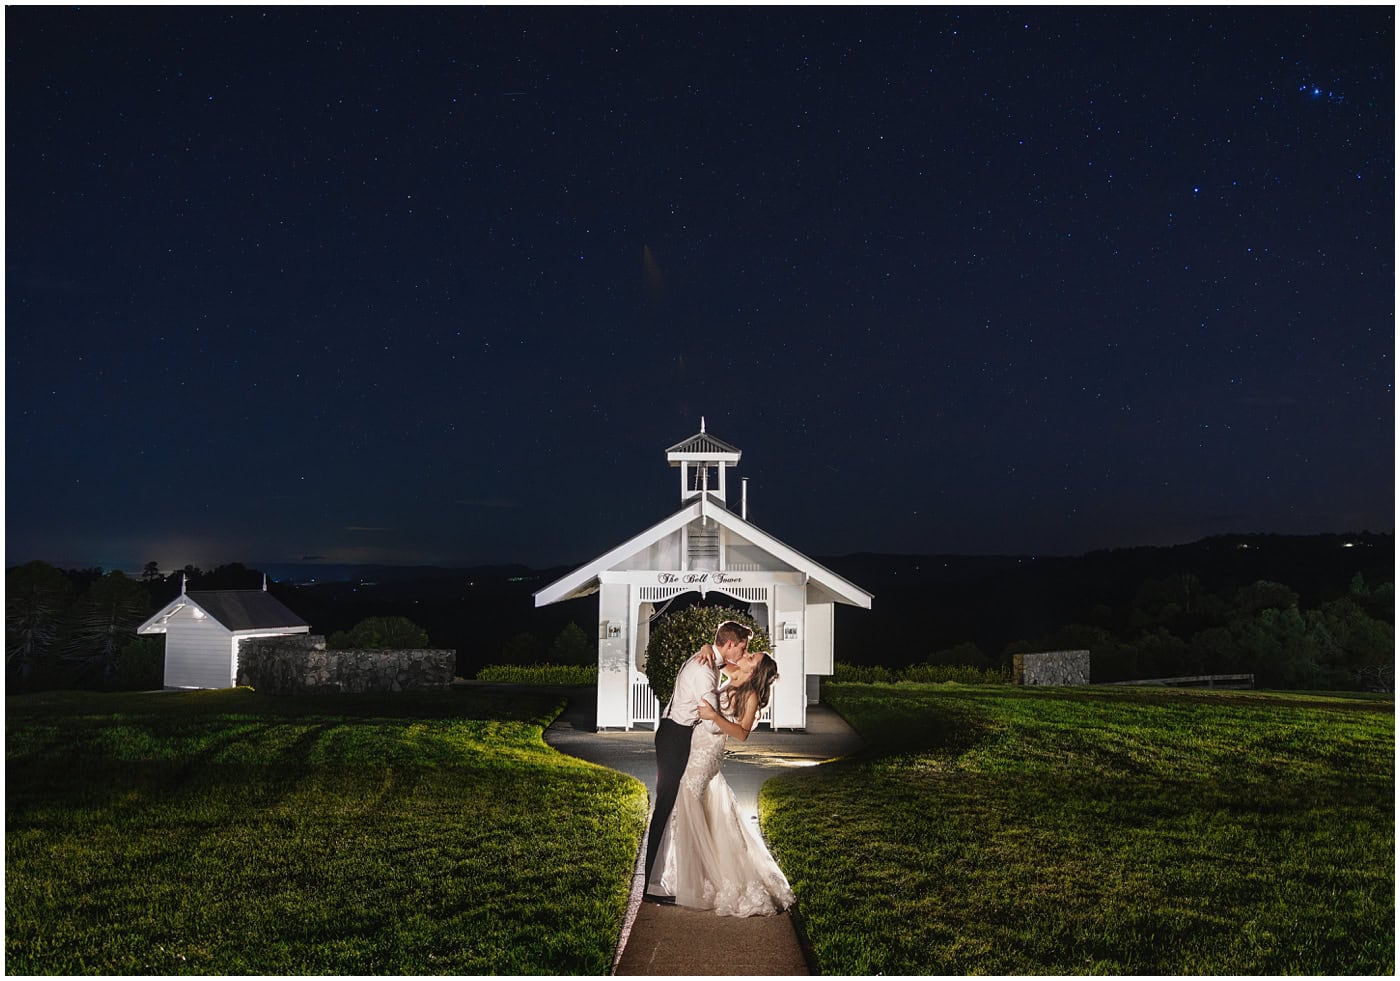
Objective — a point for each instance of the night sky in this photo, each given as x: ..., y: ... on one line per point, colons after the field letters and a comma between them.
x: 441, y: 285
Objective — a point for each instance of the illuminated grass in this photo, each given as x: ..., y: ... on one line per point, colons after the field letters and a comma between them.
x: 233, y: 833
x: 540, y: 674
x: 996, y: 830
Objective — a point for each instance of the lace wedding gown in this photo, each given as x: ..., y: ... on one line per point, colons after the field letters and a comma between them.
x: 711, y: 857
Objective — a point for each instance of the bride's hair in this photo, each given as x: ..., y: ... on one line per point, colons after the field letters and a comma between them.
x: 765, y: 672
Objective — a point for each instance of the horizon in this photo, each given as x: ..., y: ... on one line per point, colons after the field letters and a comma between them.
x: 137, y: 570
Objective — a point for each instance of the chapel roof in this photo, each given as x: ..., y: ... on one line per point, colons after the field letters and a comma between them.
x: 584, y: 579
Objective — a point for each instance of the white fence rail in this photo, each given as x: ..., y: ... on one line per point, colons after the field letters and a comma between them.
x: 646, y: 709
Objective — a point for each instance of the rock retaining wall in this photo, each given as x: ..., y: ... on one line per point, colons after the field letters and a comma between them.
x: 1051, y: 668
x: 297, y: 664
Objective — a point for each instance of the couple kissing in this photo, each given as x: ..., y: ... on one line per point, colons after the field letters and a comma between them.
x: 701, y: 852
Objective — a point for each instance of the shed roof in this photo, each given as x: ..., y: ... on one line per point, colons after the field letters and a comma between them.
x: 235, y: 609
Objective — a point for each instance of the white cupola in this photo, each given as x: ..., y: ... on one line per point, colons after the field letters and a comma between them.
x: 703, y: 460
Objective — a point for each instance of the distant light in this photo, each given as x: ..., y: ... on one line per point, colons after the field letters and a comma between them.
x: 1348, y: 544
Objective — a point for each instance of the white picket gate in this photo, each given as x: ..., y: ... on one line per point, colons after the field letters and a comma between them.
x: 645, y: 709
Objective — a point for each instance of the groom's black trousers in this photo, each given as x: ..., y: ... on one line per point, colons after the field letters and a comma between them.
x: 672, y: 752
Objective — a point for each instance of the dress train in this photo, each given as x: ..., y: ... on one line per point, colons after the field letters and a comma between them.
x: 711, y: 857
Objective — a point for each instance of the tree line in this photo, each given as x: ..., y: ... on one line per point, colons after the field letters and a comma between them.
x: 1174, y: 626
x: 1293, y: 611
x: 76, y: 628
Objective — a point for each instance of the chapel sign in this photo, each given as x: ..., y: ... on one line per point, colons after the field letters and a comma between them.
x: 694, y: 578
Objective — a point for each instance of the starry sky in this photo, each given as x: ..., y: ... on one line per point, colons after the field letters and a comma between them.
x: 441, y: 285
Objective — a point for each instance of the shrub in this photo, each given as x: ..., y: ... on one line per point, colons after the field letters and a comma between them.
x: 140, y: 665
x: 572, y: 646
x: 523, y: 649
x: 540, y: 674
x: 862, y: 674
x: 874, y: 674
x: 676, y: 636
x: 380, y: 633
x: 960, y: 673
x: 966, y: 653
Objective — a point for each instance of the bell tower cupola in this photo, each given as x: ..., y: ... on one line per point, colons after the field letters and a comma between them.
x: 703, y: 460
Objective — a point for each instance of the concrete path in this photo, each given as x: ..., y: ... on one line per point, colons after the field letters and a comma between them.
x: 672, y: 940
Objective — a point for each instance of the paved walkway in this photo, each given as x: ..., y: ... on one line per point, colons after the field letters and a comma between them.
x: 672, y: 940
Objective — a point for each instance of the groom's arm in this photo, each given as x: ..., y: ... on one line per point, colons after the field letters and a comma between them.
x: 707, y: 656
x: 696, y: 679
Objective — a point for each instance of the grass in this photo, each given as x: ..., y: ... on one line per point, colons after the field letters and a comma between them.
x: 998, y: 830
x: 568, y: 675
x: 235, y: 833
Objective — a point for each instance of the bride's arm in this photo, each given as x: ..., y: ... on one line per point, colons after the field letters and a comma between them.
x: 740, y: 729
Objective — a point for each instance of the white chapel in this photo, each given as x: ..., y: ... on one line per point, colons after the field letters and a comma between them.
x: 705, y: 547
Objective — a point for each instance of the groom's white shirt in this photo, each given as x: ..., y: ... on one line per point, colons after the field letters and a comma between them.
x: 695, y: 681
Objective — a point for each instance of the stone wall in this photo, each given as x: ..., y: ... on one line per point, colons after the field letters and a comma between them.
x: 300, y: 663
x: 1051, y: 668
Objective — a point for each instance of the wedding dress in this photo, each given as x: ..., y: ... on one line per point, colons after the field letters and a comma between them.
x: 711, y: 857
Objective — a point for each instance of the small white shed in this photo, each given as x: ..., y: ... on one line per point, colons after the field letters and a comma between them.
x: 705, y: 547
x: 203, y: 628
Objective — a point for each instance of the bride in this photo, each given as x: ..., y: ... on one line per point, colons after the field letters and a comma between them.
x: 711, y: 858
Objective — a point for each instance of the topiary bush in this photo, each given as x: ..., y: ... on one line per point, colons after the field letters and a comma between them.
x: 676, y: 636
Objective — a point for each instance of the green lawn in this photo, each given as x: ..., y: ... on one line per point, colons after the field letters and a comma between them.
x: 1000, y: 830
x: 235, y: 833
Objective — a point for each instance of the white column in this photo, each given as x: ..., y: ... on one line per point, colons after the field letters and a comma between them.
x: 818, y: 646
x: 614, y: 671
x: 790, y: 694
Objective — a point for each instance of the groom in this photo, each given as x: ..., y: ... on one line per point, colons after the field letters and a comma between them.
x: 697, y: 678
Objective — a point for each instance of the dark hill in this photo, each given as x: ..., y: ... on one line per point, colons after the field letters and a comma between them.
x: 927, y: 603
x: 923, y: 603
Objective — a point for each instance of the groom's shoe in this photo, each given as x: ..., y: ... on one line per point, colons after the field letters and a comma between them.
x: 652, y: 897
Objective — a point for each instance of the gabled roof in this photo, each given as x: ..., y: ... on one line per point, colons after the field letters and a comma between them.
x: 584, y: 579
x: 702, y: 445
x: 235, y: 609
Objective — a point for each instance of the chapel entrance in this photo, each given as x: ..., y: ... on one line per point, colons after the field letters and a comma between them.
x: 649, y: 612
